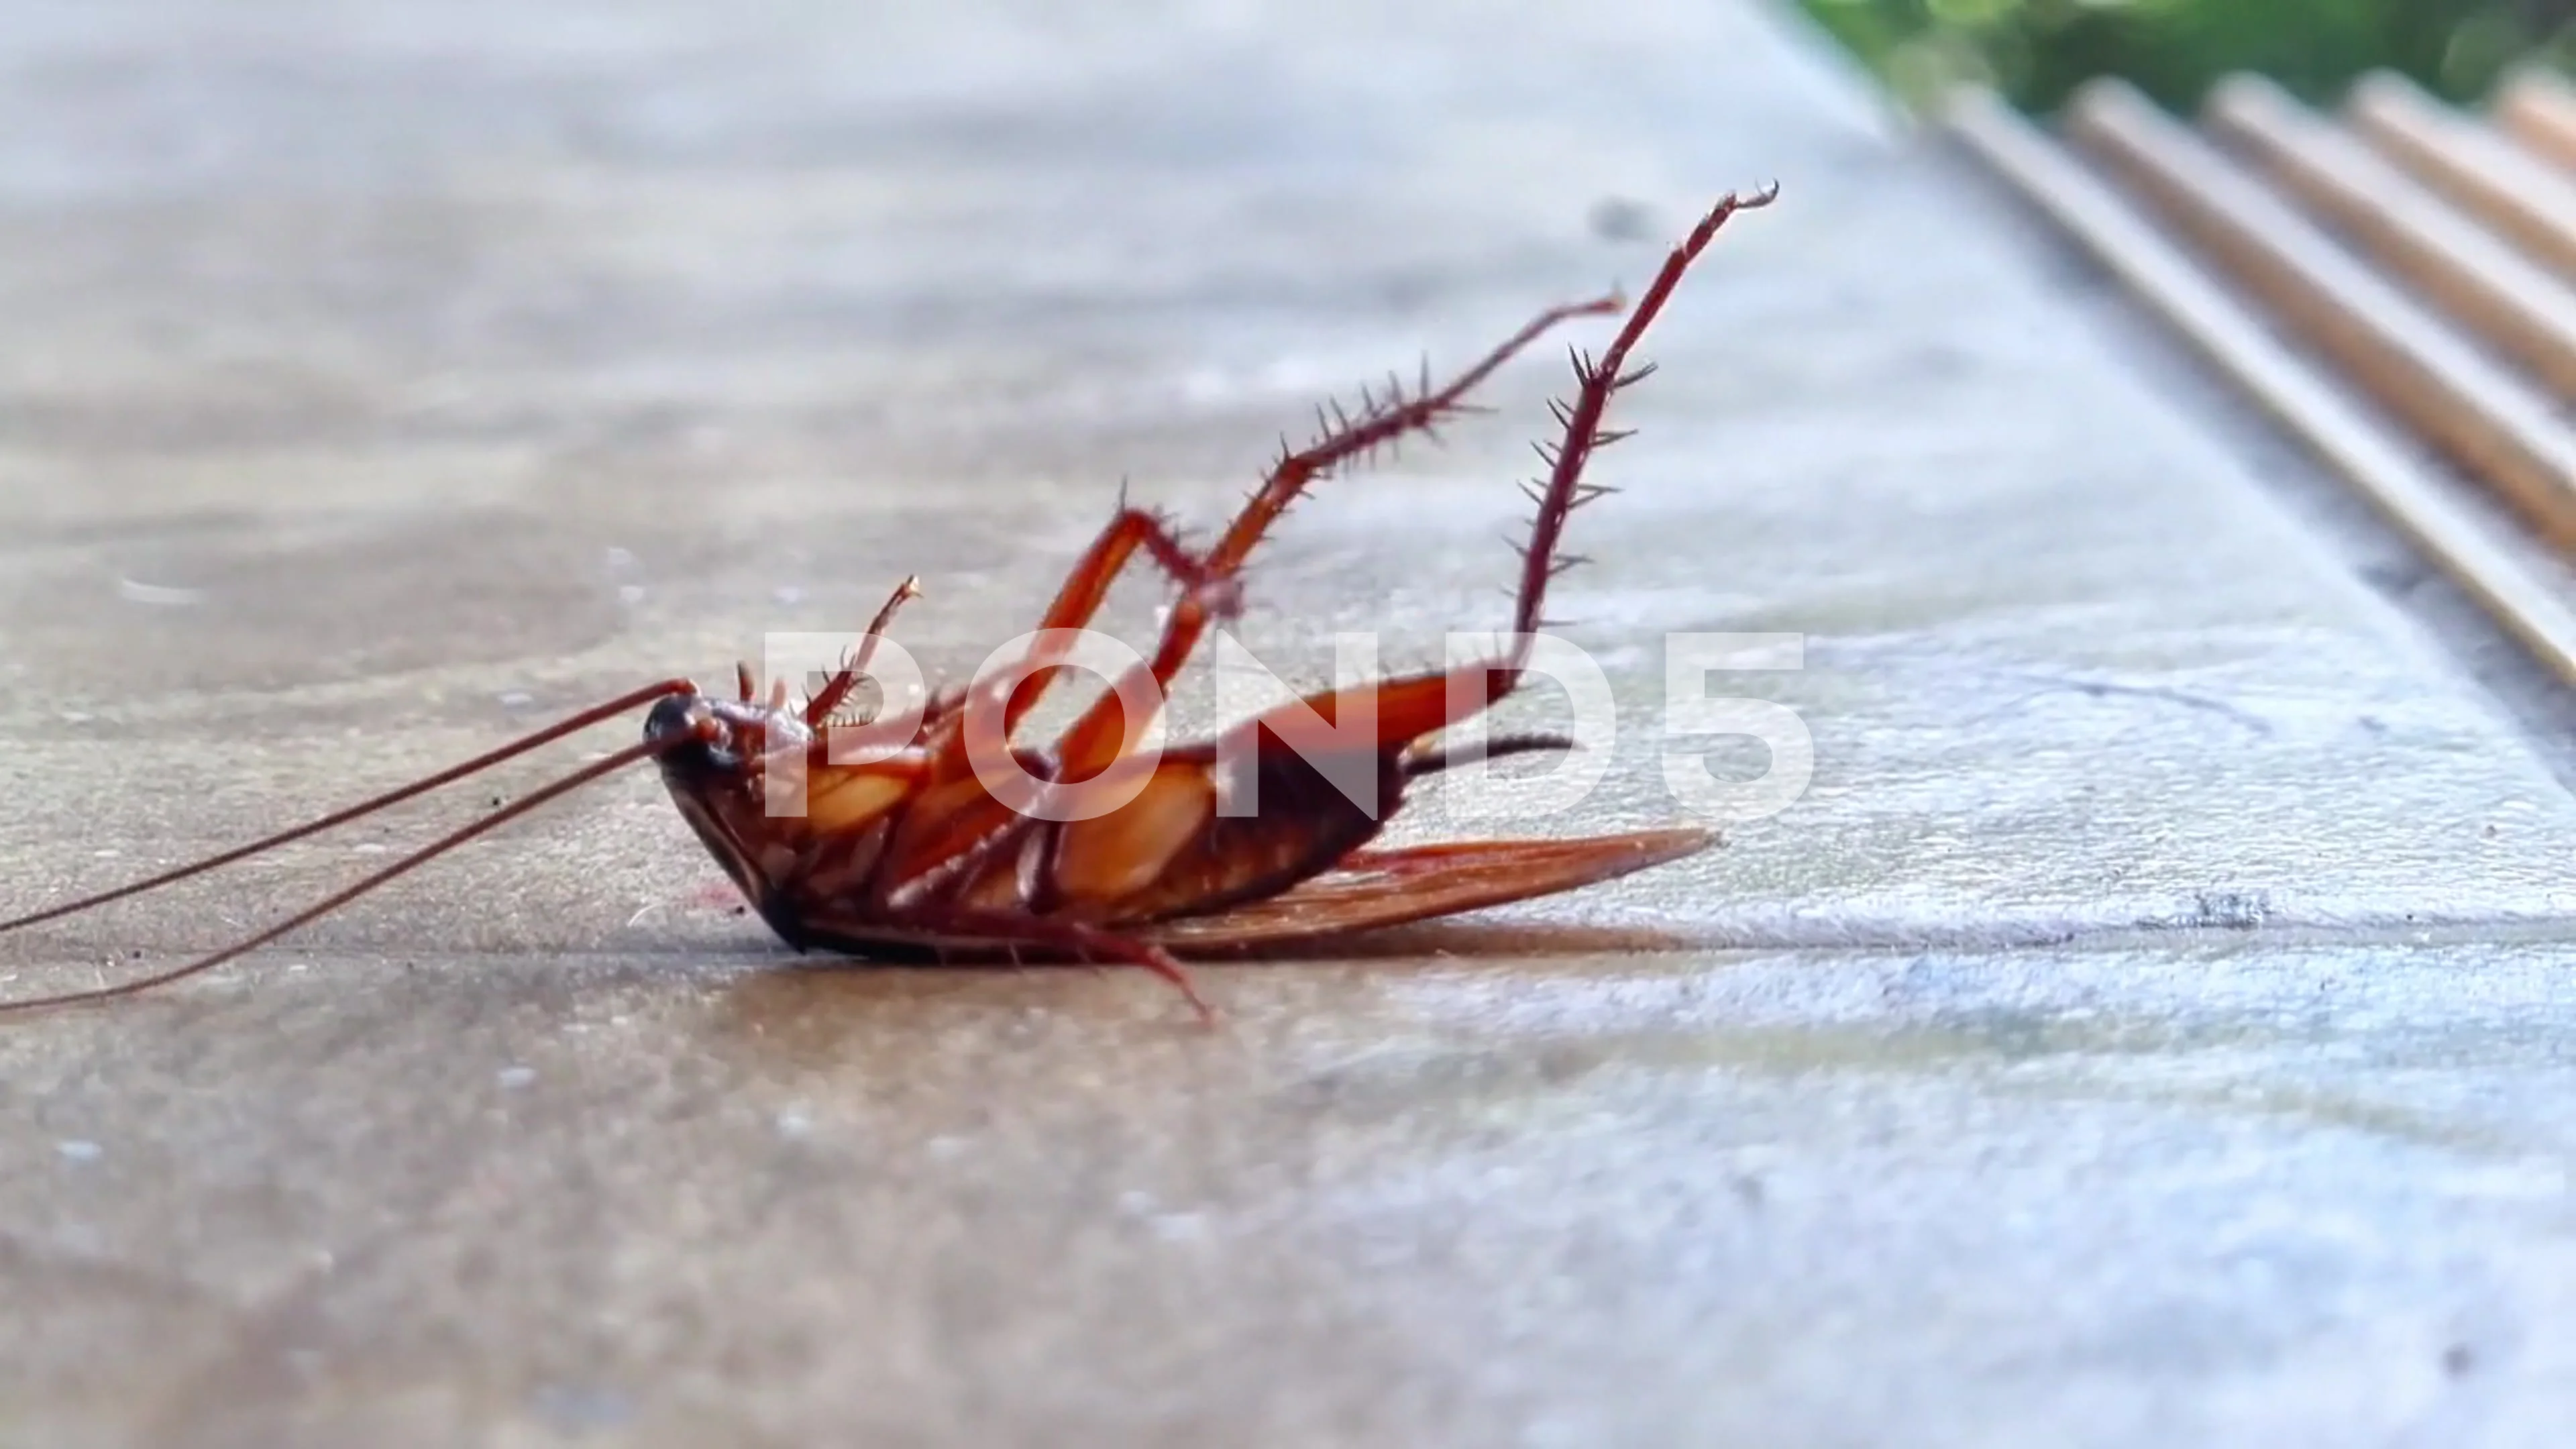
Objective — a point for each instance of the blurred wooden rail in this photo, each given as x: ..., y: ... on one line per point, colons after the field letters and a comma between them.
x: 2396, y: 284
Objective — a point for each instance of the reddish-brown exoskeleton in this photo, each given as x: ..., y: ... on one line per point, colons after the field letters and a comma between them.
x: 918, y: 853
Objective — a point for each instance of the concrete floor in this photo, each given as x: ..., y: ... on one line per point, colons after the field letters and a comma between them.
x: 2151, y: 1028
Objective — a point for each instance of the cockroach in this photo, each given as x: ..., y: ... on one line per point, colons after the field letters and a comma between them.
x: 912, y: 855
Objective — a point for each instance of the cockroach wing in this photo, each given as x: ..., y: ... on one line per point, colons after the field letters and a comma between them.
x: 1372, y: 888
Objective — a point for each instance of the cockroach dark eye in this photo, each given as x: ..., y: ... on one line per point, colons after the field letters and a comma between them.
x: 670, y: 716
x: 684, y: 717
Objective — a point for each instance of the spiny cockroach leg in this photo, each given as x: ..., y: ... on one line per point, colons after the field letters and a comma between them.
x: 1087, y: 587
x: 1595, y: 381
x: 1094, y: 738
x: 1084, y: 747
x: 820, y: 704
x: 1203, y: 579
x: 1088, y: 744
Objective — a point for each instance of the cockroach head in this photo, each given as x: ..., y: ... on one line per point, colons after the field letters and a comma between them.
x: 704, y: 739
x: 708, y: 738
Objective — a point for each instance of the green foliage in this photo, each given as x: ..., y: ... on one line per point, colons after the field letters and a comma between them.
x: 2035, y: 51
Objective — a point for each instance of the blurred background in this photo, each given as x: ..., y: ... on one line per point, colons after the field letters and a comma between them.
x: 2036, y: 51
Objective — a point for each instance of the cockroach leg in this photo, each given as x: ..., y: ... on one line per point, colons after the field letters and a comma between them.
x: 1595, y: 381
x: 1434, y: 759
x: 1087, y: 945
x: 819, y: 706
x: 1565, y: 491
x: 1088, y: 585
x: 1088, y: 744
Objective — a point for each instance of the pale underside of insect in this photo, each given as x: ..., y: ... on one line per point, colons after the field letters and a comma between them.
x: 914, y: 855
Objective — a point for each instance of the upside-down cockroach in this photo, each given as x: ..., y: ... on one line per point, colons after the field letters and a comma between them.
x: 913, y: 854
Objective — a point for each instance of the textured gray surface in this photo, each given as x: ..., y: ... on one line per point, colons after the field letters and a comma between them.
x: 2150, y: 1028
